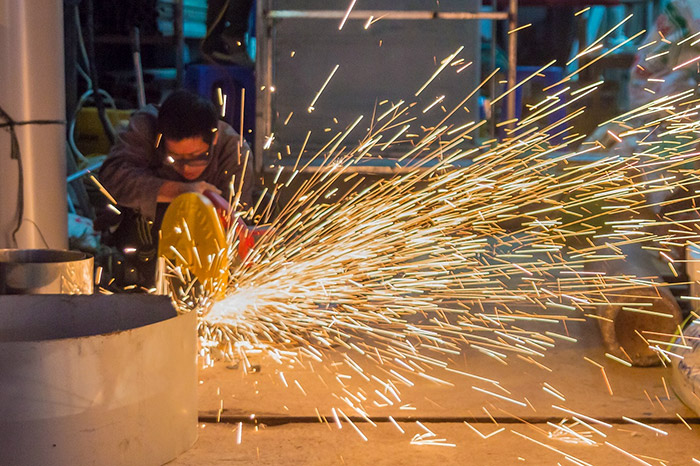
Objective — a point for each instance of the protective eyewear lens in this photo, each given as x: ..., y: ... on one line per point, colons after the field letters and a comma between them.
x: 198, y: 160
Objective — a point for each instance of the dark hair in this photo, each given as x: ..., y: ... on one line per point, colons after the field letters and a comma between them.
x: 184, y: 114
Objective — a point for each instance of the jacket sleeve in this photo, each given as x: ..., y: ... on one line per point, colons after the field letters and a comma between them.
x: 232, y: 169
x: 128, y: 173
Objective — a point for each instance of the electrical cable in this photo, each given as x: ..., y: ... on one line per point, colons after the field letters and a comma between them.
x: 83, y: 51
x: 83, y: 98
x: 81, y: 40
x: 16, y: 154
x: 217, y: 20
x: 211, y: 28
x: 71, y: 125
x: 84, y: 75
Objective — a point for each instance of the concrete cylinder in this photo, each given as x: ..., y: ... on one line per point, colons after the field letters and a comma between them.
x: 32, y: 77
x: 96, y: 380
x: 45, y: 271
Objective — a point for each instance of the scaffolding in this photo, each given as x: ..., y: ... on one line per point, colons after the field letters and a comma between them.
x: 265, y: 28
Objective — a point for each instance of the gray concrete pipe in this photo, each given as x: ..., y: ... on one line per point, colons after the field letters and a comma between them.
x: 96, y: 380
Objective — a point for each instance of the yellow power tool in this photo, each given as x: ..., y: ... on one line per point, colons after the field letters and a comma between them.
x: 193, y: 238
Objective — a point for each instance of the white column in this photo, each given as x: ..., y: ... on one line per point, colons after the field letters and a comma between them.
x: 32, y: 88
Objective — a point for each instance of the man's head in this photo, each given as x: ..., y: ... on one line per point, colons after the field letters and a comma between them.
x: 187, y: 125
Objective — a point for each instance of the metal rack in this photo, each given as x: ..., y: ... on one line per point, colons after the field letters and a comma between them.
x: 266, y: 18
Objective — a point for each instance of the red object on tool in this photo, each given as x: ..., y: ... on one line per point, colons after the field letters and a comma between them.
x: 223, y: 208
x: 246, y: 234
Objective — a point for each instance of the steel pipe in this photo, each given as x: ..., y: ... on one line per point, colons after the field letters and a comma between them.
x: 33, y: 190
x: 45, y: 271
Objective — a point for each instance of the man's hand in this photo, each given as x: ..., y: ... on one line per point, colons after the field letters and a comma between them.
x: 169, y: 190
x: 200, y: 187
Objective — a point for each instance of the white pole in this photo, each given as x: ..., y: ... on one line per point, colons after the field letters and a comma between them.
x: 32, y: 88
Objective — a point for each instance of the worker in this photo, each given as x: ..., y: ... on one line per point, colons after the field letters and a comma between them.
x: 179, y: 147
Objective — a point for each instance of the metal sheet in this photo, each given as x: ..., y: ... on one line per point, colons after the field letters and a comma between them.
x: 44, y: 271
x: 103, y: 380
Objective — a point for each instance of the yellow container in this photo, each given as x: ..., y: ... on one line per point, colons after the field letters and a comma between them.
x: 90, y: 137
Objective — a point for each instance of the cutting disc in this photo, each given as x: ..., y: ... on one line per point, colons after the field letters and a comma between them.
x: 192, y: 237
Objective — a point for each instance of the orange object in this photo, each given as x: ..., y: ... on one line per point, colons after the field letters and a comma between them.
x: 246, y: 234
x: 223, y: 208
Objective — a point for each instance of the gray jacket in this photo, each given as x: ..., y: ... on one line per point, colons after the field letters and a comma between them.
x: 134, y: 171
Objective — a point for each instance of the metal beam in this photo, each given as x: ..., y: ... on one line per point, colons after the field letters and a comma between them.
x: 512, y: 56
x: 385, y: 14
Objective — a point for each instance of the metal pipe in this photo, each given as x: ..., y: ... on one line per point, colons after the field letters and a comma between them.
x: 512, y: 56
x: 45, y: 271
x: 263, y: 81
x: 492, y: 84
x: 138, y: 70
x: 32, y: 77
x: 385, y: 14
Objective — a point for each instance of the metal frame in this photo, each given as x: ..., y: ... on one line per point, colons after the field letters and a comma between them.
x: 265, y: 34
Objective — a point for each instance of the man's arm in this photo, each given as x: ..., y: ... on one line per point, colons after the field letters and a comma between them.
x: 128, y: 172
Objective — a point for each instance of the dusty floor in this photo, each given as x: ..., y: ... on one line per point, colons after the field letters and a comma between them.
x: 260, y: 420
x: 314, y: 444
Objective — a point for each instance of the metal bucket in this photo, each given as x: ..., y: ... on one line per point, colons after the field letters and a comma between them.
x: 45, y: 271
x: 96, y: 380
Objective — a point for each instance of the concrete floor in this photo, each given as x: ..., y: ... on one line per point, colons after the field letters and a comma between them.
x: 280, y: 425
x: 314, y: 444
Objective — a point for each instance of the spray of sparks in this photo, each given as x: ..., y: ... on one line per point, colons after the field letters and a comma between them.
x: 460, y: 251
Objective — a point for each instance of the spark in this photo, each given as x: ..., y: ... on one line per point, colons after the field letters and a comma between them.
x: 444, y: 64
x: 435, y: 102
x: 345, y: 18
x: 519, y: 403
x: 633, y: 421
x: 519, y: 28
x: 627, y: 454
x: 686, y: 63
x: 616, y: 359
x: 396, y: 425
x: 395, y: 280
x: 484, y: 437
x: 549, y: 447
x: 352, y: 424
x: 318, y: 94
x: 684, y: 421
x: 114, y: 209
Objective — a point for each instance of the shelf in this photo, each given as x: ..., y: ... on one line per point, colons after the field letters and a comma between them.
x: 144, y: 40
